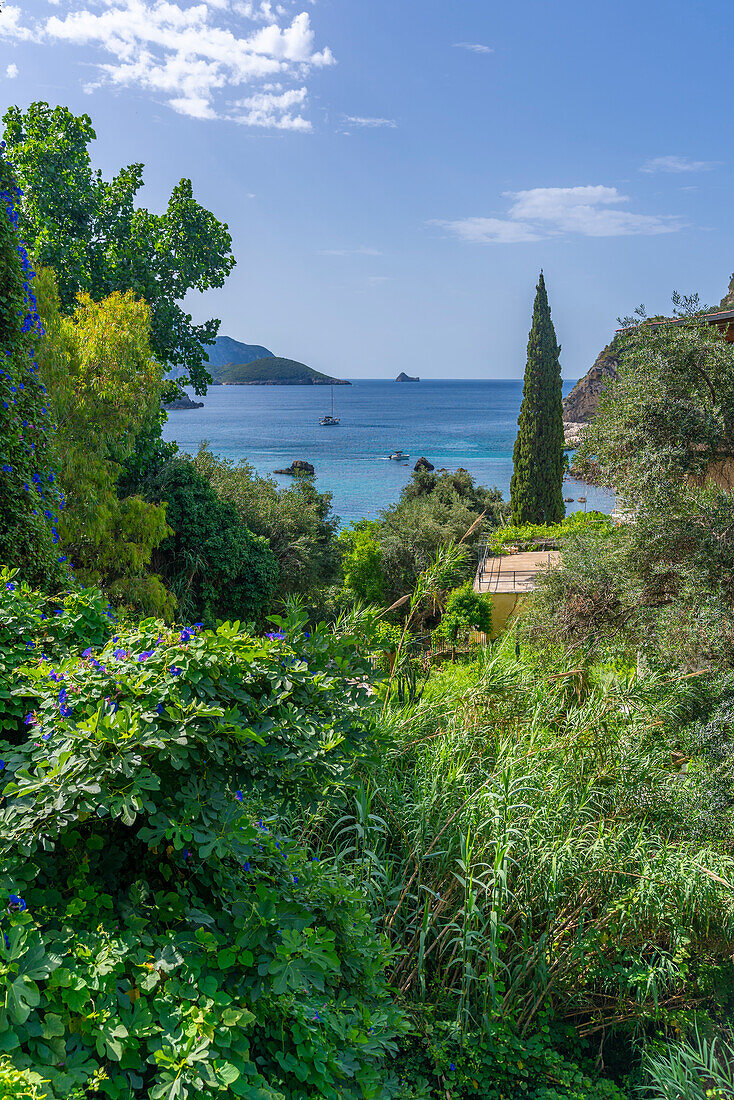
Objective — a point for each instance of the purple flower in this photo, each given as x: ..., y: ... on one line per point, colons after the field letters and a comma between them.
x: 145, y: 655
x: 186, y: 854
x: 246, y: 865
x: 276, y: 636
x: 295, y: 880
x: 2, y: 765
x: 87, y: 653
x: 47, y: 736
x: 17, y: 903
x: 30, y: 719
x: 452, y: 1067
x: 159, y: 708
x: 120, y: 654
x: 238, y: 795
x: 175, y: 671
x: 10, y: 586
x: 186, y: 635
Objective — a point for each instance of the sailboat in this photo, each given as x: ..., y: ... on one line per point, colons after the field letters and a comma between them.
x: 329, y: 420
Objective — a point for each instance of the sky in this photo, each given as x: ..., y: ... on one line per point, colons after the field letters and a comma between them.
x: 395, y: 174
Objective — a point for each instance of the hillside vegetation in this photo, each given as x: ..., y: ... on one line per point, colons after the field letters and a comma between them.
x: 225, y: 350
x: 275, y: 371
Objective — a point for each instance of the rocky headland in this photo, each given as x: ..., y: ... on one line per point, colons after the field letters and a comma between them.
x: 403, y: 377
x: 184, y: 402
x: 583, y: 400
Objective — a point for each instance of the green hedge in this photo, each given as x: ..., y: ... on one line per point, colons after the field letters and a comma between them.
x: 161, y: 937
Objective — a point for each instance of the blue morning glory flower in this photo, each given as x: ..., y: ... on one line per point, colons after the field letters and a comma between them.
x: 175, y: 671
x: 238, y: 796
x: 17, y: 903
x: 452, y: 1067
x: 47, y: 736
x: 159, y: 708
x: 10, y: 586
x: 29, y: 719
x: 246, y: 865
x: 87, y: 653
x: 120, y: 654
x: 2, y: 765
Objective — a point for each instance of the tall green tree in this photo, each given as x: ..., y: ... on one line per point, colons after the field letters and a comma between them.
x: 536, y: 488
x: 29, y: 497
x: 98, y: 241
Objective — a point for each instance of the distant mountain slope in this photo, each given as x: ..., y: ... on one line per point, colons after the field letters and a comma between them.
x: 225, y: 350
x: 273, y: 371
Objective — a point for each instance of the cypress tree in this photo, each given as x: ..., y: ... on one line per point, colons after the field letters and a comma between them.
x: 536, y: 489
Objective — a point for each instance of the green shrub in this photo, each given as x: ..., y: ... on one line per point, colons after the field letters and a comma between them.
x: 213, y: 564
x: 29, y: 499
x: 526, y: 534
x: 161, y: 935
x: 31, y: 624
x: 465, y: 610
x: 501, y: 1066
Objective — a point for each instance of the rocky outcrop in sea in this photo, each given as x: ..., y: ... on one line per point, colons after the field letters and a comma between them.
x: 298, y: 466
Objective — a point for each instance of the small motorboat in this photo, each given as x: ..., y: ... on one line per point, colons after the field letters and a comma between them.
x: 399, y: 456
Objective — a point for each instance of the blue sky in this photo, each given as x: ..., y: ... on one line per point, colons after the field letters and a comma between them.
x: 394, y: 174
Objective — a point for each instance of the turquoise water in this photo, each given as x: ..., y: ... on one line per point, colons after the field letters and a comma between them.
x: 464, y: 423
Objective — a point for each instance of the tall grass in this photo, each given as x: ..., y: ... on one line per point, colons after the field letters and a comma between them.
x: 527, y: 842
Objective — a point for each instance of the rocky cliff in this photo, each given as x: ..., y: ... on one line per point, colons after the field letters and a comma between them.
x: 581, y: 403
x: 727, y: 302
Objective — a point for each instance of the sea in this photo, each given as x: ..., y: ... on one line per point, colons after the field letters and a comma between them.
x: 452, y: 423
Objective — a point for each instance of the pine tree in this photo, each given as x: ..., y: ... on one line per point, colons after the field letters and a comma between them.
x: 536, y: 489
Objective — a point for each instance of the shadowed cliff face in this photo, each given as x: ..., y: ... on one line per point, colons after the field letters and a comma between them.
x: 727, y: 302
x: 582, y: 402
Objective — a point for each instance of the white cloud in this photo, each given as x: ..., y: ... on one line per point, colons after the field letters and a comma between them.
x: 11, y: 26
x: 195, y: 57
x: 276, y: 112
x: 475, y: 47
x: 12, y: 71
x: 678, y: 164
x: 370, y: 123
x: 490, y: 230
x: 545, y: 212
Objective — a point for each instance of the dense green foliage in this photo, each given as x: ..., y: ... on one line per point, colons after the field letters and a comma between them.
x: 465, y: 610
x: 96, y: 240
x: 215, y: 567
x: 662, y: 583
x: 29, y: 497
x: 536, y: 488
x: 164, y: 937
x: 274, y: 371
x: 103, y: 386
x: 362, y: 561
x: 434, y: 509
x: 296, y: 520
x: 528, y: 535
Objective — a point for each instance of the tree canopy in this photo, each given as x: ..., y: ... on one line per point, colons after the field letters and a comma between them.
x: 97, y: 240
